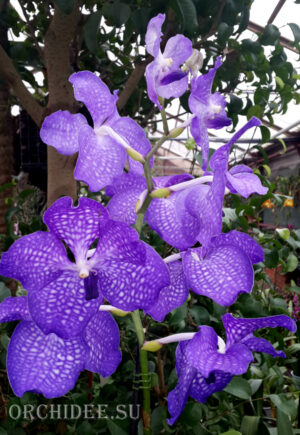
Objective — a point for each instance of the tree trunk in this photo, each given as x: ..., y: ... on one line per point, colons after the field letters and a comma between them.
x: 6, y: 140
x: 58, y: 42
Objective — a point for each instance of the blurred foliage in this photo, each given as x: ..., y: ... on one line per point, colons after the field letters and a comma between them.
x: 110, y: 40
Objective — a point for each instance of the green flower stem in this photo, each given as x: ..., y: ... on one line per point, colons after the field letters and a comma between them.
x: 165, y: 122
x: 146, y: 412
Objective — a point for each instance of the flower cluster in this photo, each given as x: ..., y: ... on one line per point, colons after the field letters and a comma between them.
x: 91, y: 256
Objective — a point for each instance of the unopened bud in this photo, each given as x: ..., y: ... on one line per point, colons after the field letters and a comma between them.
x: 194, y: 62
x: 152, y: 346
x: 161, y: 193
x: 120, y: 313
x: 176, y: 132
x: 135, y: 155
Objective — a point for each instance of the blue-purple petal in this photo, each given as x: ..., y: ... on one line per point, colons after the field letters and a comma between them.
x: 103, y: 339
x: 203, y: 354
x: 172, y: 296
x: 14, y: 308
x: 35, y: 260
x: 243, y: 181
x: 135, y: 136
x: 243, y: 241
x: 100, y: 159
x: 96, y: 96
x: 77, y: 226
x: 179, y: 49
x: 238, y: 328
x: 61, y: 307
x: 43, y: 364
x: 61, y: 129
x: 153, y: 34
x: 221, y: 273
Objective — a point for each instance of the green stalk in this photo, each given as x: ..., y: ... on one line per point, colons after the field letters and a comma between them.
x: 146, y: 412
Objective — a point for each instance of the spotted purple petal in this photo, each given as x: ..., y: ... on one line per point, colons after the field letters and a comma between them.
x: 153, y: 34
x: 172, y: 296
x: 77, y: 226
x: 202, y: 388
x: 61, y: 129
x: 177, y: 398
x: 203, y: 354
x: 151, y: 75
x: 96, y: 96
x: 135, y: 136
x: 206, y: 206
x: 221, y: 274
x: 174, y: 86
x: 14, y: 308
x: 102, y: 338
x: 100, y: 159
x: 35, y: 260
x: 171, y: 220
x: 43, y: 364
x: 61, y: 307
x: 170, y: 180
x: 220, y: 157
x: 242, y: 241
x: 179, y: 49
x: 125, y: 192
x: 240, y: 179
x: 256, y: 344
x: 200, y: 134
x: 237, y: 329
x: 130, y: 282
x: 113, y: 237
x: 201, y: 90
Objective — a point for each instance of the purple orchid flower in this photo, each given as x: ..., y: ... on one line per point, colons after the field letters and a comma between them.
x: 102, y: 149
x: 50, y: 365
x: 208, y: 110
x: 163, y: 75
x: 64, y: 295
x: 205, y: 364
x: 171, y: 296
x: 208, y: 209
x: 167, y: 216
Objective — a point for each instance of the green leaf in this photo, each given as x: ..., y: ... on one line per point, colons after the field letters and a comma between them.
x: 90, y: 31
x: 188, y: 13
x: 284, y: 233
x: 255, y: 384
x: 279, y: 82
x: 255, y: 110
x: 265, y: 133
x: 270, y: 35
x: 284, y: 426
x: 4, y: 291
x: 285, y: 404
x: 283, y: 145
x: 296, y: 31
x: 231, y: 432
x: 291, y: 263
x: 66, y: 6
x: 224, y: 31
x: 249, y: 425
x: 239, y: 387
x: 114, y: 429
x: 267, y: 169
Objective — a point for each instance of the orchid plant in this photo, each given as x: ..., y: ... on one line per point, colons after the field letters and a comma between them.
x: 91, y: 263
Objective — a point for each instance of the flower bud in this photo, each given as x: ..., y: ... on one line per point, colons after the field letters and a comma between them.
x: 161, y: 193
x: 135, y: 155
x: 152, y: 346
x: 176, y: 132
